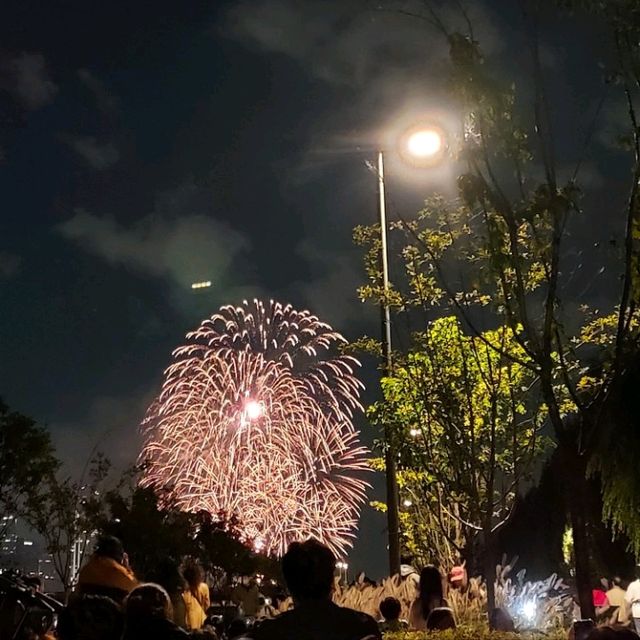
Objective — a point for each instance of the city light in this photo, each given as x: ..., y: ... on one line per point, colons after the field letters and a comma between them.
x: 205, y: 284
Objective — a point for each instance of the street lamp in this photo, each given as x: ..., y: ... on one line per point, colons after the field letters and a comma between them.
x: 422, y: 145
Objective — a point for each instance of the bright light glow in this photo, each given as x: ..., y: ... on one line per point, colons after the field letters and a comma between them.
x: 529, y: 610
x: 201, y: 285
x: 425, y: 143
x: 300, y: 474
x: 253, y: 410
x: 414, y: 432
x: 407, y: 503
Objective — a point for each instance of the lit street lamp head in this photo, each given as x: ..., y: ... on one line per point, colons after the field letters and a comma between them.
x: 423, y: 145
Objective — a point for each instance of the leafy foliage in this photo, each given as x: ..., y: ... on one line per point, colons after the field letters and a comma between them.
x: 467, y: 430
x: 66, y: 513
x: 26, y: 456
x: 499, y: 255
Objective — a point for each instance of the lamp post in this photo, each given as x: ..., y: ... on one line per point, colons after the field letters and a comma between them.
x: 421, y: 146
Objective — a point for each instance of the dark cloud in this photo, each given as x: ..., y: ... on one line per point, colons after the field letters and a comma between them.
x: 341, y: 43
x: 27, y: 78
x: 183, y: 250
x: 9, y: 265
x: 110, y: 425
x: 99, y: 155
x: 105, y: 99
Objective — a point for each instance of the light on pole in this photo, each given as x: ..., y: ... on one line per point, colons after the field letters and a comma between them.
x: 420, y: 146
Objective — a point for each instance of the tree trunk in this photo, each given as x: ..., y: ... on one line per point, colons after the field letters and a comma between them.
x: 577, y: 489
x: 489, y: 565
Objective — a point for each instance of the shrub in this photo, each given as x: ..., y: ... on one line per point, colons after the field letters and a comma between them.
x: 467, y: 633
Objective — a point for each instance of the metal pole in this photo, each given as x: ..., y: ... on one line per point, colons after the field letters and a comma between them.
x: 393, y: 522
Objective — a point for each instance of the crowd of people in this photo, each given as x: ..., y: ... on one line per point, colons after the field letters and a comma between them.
x: 111, y: 604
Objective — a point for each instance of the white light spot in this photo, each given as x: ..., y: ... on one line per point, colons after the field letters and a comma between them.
x: 424, y: 144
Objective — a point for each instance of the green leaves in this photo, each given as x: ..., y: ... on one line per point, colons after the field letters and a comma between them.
x: 466, y: 425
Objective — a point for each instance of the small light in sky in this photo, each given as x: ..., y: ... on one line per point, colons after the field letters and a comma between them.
x: 425, y: 143
x: 201, y: 285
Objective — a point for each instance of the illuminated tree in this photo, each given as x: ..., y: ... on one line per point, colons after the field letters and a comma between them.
x: 468, y: 427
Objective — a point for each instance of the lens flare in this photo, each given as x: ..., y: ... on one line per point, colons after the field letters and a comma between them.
x: 255, y: 419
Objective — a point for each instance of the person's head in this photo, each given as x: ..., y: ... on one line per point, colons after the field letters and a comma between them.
x: 90, y: 618
x: 167, y: 574
x: 430, y: 586
x: 617, y: 581
x: 193, y: 574
x: 308, y: 569
x: 390, y: 609
x: 109, y: 547
x: 441, y: 619
x: 147, y: 601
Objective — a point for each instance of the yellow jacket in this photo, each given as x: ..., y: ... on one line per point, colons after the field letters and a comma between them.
x: 105, y: 573
x: 194, y: 613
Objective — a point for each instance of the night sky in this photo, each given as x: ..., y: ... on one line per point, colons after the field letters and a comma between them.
x: 147, y: 146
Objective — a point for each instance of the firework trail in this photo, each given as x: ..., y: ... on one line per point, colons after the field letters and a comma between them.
x: 255, y: 419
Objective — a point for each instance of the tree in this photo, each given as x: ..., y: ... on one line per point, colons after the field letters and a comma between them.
x: 467, y: 425
x: 215, y: 541
x: 66, y: 513
x: 498, y: 255
x: 26, y: 456
x: 152, y: 530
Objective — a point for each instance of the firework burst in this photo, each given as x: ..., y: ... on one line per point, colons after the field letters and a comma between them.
x: 255, y: 419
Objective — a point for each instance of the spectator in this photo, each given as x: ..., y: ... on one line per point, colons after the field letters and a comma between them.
x: 167, y: 575
x: 632, y: 598
x: 615, y: 596
x: 390, y: 609
x: 90, y: 618
x: 194, y: 575
x: 248, y: 597
x: 309, y: 569
x: 430, y: 597
x: 195, y: 596
x: 107, y: 573
x: 148, y: 614
x: 441, y: 619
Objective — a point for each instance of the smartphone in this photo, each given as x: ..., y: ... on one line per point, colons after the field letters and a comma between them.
x: 582, y: 629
